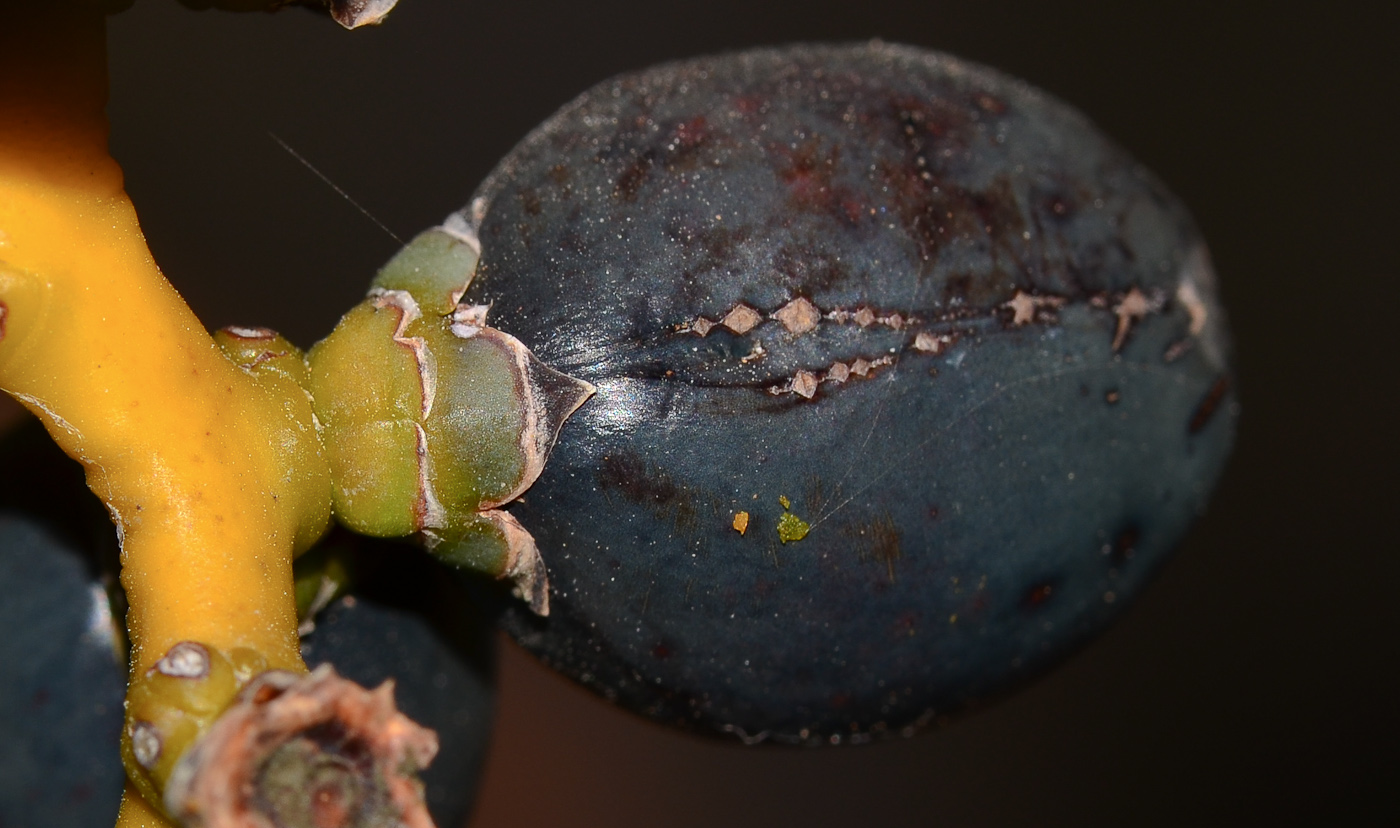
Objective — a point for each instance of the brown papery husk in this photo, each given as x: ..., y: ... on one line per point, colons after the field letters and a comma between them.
x: 224, y: 780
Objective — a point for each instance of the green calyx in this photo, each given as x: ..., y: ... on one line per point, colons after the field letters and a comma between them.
x: 435, y: 267
x: 431, y: 419
x: 367, y: 388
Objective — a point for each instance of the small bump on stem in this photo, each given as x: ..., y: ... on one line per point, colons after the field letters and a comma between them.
x: 145, y: 744
x: 188, y: 659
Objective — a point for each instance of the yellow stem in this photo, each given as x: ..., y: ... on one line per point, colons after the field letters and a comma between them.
x: 175, y: 439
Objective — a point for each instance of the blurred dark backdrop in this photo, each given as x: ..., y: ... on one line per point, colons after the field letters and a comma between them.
x: 1254, y: 684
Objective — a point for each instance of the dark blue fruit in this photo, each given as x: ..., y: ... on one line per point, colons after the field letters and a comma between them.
x: 907, y: 377
x: 61, y: 685
x: 63, y: 659
x: 63, y: 650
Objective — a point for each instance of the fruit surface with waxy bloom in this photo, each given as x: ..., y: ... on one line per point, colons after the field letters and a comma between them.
x: 920, y: 309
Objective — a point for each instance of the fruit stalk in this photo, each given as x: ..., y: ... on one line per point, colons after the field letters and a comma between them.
x: 210, y: 467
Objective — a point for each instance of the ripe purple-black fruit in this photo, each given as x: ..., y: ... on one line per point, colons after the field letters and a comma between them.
x: 907, y: 378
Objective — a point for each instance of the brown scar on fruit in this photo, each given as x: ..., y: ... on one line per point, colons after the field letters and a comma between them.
x: 1209, y: 404
x: 741, y: 319
x: 1131, y: 307
x: 863, y: 367
x: 1024, y: 306
x: 1178, y: 349
x: 1190, y: 299
x: 805, y: 383
x: 931, y: 343
x: 799, y: 316
x: 864, y: 317
x: 756, y: 353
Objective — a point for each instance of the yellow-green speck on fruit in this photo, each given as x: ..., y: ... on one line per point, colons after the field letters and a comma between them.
x: 792, y: 528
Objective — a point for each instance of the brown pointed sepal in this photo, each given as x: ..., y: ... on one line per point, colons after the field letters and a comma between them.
x: 305, y: 751
x: 547, y: 398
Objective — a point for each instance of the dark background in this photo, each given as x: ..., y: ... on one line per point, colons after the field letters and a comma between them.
x: 1255, y: 683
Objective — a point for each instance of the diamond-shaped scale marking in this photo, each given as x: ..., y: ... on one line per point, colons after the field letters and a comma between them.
x: 741, y: 319
x: 799, y: 316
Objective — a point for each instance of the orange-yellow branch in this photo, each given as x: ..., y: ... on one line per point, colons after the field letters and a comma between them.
x: 170, y: 432
x: 97, y: 342
x: 187, y: 450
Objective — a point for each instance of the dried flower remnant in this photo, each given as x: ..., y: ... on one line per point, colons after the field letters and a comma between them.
x: 305, y: 752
